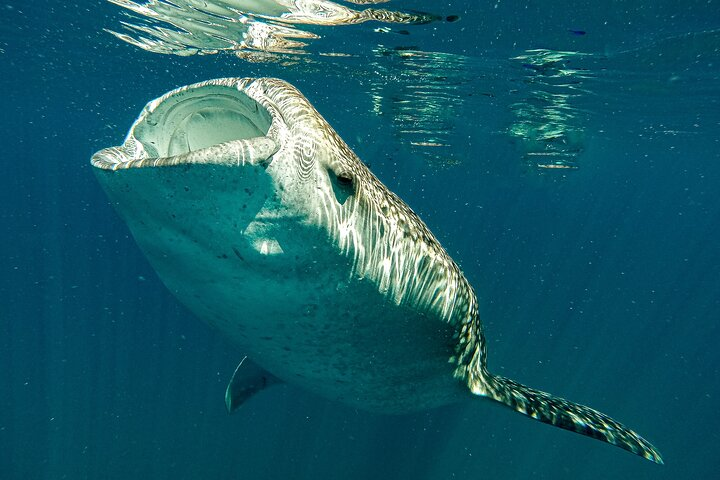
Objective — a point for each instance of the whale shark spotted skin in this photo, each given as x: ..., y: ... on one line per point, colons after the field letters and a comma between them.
x: 261, y: 220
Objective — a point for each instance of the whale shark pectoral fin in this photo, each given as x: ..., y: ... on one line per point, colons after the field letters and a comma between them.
x: 564, y: 414
x: 247, y: 380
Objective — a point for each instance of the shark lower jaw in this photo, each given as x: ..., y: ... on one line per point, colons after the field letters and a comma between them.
x: 215, y: 122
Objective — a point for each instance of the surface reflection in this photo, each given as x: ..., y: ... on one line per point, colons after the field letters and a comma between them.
x: 190, y: 27
x: 422, y: 94
x: 547, y: 121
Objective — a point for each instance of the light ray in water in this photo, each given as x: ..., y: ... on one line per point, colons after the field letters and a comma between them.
x: 190, y: 27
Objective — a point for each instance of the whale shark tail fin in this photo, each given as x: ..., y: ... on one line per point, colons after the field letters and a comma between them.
x: 564, y: 414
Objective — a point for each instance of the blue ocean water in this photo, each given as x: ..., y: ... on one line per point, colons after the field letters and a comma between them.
x: 599, y: 282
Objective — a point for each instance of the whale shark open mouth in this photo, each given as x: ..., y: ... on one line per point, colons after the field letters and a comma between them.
x: 214, y: 122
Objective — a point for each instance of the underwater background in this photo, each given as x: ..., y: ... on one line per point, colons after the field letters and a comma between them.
x: 565, y: 153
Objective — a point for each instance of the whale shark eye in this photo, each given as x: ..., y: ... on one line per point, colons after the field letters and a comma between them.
x: 344, y: 180
x: 342, y: 185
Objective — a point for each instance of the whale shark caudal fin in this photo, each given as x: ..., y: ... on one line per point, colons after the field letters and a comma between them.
x: 247, y: 380
x: 564, y: 414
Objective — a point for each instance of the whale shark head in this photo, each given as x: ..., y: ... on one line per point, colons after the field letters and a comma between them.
x: 269, y: 136
x: 250, y: 162
x: 263, y: 133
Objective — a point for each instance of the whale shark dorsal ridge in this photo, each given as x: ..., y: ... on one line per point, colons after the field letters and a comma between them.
x: 262, y: 221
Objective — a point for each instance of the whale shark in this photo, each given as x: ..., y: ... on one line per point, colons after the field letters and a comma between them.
x: 261, y: 220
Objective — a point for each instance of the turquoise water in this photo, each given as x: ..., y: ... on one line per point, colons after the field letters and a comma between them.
x: 599, y: 282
